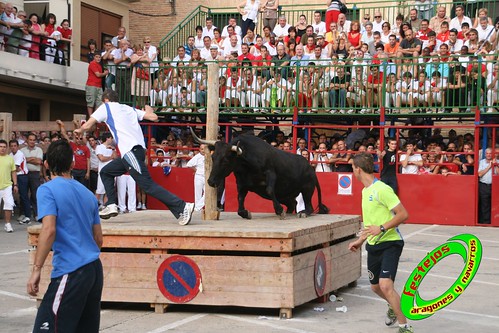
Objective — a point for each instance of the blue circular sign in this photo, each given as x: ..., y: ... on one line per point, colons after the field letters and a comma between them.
x: 179, y: 278
x: 345, y: 181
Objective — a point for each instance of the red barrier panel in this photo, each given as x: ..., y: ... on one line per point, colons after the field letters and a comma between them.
x: 180, y: 182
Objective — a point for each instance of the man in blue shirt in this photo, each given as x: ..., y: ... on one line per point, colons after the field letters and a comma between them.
x: 71, y: 228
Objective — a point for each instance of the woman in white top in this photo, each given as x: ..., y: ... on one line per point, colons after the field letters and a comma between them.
x: 249, y: 13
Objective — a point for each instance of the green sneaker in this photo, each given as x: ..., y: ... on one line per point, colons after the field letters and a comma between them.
x: 391, y: 318
x: 407, y: 329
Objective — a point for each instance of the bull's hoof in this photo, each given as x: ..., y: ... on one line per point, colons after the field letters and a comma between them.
x: 245, y: 214
x: 302, y: 215
x: 282, y: 216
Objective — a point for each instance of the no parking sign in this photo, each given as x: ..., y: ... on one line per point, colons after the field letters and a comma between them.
x: 344, y: 184
x: 179, y: 278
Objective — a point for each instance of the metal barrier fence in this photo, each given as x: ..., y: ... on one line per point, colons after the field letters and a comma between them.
x: 421, y: 85
x: 357, y: 11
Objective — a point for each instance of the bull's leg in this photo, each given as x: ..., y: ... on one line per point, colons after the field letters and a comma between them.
x: 307, y: 193
x: 271, y: 179
x: 290, y: 206
x: 241, y: 211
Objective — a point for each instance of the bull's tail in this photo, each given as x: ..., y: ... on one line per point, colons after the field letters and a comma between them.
x: 322, y: 209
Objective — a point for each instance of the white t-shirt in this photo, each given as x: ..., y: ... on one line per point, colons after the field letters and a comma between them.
x: 20, y: 161
x: 104, y: 151
x: 411, y: 169
x: 281, y: 31
x: 197, y: 162
x: 123, y: 122
x: 319, y: 28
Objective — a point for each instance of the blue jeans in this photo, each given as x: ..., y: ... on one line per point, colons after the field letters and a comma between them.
x: 139, y: 172
x: 334, y: 95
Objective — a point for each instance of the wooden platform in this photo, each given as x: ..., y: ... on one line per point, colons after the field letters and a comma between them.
x: 265, y: 262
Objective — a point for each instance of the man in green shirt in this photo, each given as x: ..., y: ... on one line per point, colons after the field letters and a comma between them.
x: 8, y: 184
x: 382, y: 213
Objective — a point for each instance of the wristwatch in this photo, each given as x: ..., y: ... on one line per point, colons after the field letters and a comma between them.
x: 382, y: 228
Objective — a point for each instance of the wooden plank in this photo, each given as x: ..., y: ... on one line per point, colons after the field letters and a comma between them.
x: 198, y: 243
x: 37, y: 126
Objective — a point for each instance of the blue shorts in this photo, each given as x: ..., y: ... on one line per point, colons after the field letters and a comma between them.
x: 383, y: 260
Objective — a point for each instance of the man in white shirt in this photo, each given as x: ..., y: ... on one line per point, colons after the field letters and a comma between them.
x: 281, y: 29
x: 205, y: 51
x: 197, y: 164
x: 121, y: 36
x: 344, y: 24
x: 410, y: 161
x: 378, y: 22
x: 181, y: 56
x: 319, y: 26
x: 485, y: 30
x: 232, y: 46
x: 208, y: 29
x: 232, y: 23
x: 460, y: 18
x: 22, y: 181
x: 123, y: 122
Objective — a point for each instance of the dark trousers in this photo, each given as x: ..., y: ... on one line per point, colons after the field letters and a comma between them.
x: 134, y: 163
x: 94, y: 175
x: 72, y: 302
x: 79, y: 175
x: 484, y: 202
x: 248, y: 24
x: 33, y: 184
x: 23, y: 186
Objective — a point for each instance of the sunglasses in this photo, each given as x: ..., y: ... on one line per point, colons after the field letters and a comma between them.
x: 377, y: 17
x: 366, y: 18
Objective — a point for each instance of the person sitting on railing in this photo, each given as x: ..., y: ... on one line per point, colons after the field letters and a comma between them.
x: 198, y: 39
x: 232, y: 23
x: 209, y: 28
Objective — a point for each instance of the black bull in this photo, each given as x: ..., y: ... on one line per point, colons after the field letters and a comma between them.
x: 269, y: 172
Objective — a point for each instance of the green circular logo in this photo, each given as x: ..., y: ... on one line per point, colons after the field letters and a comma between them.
x: 469, y: 248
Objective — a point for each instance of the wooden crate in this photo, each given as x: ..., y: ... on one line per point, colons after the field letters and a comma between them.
x: 264, y: 262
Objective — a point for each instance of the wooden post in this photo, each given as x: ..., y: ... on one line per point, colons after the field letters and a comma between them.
x: 5, y: 126
x: 210, y: 203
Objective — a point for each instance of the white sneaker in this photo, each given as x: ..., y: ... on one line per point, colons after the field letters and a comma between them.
x: 8, y: 227
x: 108, y: 212
x: 186, y: 216
x: 169, y: 110
x: 350, y: 111
x: 144, y: 207
x: 25, y: 220
x: 342, y: 111
x: 332, y: 111
x: 363, y: 111
x: 20, y: 218
x: 490, y: 110
x: 139, y: 205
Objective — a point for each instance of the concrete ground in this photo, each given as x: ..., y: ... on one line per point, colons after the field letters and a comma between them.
x: 477, y: 310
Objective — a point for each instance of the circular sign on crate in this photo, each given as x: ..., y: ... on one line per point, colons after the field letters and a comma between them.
x: 345, y: 182
x: 320, y: 273
x: 179, y: 278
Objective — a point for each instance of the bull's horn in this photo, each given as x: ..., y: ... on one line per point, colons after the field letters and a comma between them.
x: 237, y: 149
x: 199, y: 140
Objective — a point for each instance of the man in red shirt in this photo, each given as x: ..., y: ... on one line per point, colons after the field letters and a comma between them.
x: 93, y: 87
x: 422, y: 34
x: 81, y: 156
